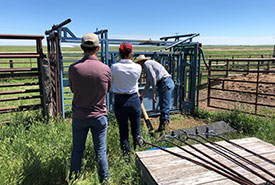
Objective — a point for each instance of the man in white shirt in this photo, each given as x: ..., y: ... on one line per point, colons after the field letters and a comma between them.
x: 125, y: 75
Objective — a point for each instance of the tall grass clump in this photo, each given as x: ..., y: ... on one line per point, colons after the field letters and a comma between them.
x: 246, y: 125
x: 33, y: 152
x: 37, y: 151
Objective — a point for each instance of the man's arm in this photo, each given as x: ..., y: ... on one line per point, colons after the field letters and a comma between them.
x: 70, y: 78
x: 109, y: 79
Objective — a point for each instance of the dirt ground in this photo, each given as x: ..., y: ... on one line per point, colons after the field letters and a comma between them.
x: 179, y: 121
x: 268, y: 89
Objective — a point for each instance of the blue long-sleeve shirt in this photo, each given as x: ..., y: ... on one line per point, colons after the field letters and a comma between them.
x: 154, y: 72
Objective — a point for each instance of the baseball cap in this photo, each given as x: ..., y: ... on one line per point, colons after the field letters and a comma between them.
x: 90, y: 40
x: 125, y: 45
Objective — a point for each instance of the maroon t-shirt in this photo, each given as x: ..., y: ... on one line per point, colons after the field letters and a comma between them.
x: 89, y: 80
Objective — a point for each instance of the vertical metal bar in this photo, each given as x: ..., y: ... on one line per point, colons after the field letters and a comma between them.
x: 227, y: 67
x: 109, y: 99
x: 199, y: 78
x: 193, y: 80
x: 174, y: 67
x: 58, y: 82
x: 11, y: 66
x: 106, y: 49
x: 248, y: 66
x: 257, y: 87
x: 39, y: 49
x: 183, y: 77
x: 209, y: 81
x: 60, y: 63
x: 102, y: 49
x: 178, y: 81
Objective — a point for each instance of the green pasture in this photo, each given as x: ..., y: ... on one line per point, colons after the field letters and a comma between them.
x: 36, y: 150
x: 33, y: 152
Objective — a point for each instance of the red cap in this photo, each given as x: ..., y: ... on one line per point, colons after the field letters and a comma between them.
x: 125, y: 45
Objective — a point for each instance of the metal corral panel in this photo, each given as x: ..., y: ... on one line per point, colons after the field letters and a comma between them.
x: 159, y: 167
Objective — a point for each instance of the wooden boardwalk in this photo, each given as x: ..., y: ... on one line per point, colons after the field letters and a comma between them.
x: 159, y: 167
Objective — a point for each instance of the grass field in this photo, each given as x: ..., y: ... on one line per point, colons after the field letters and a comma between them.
x: 33, y: 152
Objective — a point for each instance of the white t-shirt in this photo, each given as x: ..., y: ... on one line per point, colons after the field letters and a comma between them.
x: 125, y: 75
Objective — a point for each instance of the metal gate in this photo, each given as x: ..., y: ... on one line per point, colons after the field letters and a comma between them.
x: 179, y: 57
x: 20, y: 78
x: 243, y: 85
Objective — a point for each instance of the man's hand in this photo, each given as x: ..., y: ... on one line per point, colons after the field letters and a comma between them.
x: 141, y: 98
x: 154, y: 97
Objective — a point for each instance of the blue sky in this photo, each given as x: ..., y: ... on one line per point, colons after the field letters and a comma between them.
x: 244, y: 22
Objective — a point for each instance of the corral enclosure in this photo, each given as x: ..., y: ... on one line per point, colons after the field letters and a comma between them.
x: 77, y: 50
x: 179, y: 57
x: 30, y: 83
x: 21, y: 76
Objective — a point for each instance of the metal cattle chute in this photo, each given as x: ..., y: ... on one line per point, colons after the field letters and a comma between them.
x: 178, y: 54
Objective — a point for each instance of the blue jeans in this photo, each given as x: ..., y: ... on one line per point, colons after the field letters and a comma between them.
x: 128, y: 106
x: 98, y: 127
x: 165, y: 90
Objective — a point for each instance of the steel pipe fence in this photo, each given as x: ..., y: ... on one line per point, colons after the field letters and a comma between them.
x: 15, y: 95
x: 249, y: 91
x: 179, y: 57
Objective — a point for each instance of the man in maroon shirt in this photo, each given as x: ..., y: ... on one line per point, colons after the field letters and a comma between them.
x: 89, y: 80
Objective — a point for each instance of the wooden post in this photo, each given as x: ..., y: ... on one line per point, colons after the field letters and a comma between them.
x: 227, y: 68
x: 248, y: 66
x: 11, y: 65
x: 257, y: 88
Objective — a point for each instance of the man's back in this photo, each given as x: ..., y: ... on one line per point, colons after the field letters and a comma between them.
x: 90, y: 80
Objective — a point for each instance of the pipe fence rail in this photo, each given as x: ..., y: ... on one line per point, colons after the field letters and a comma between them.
x: 15, y: 95
x: 241, y: 81
x: 179, y: 57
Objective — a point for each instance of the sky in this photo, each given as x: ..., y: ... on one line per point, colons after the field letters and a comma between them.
x: 219, y: 22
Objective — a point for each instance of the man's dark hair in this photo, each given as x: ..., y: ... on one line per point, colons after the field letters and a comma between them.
x: 88, y: 49
x: 125, y: 53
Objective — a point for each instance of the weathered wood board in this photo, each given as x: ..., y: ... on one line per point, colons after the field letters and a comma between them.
x: 160, y: 167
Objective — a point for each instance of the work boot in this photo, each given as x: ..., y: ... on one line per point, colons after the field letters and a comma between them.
x: 161, y: 127
x: 166, y: 126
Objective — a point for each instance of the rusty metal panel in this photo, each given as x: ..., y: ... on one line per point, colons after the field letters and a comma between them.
x: 15, y: 95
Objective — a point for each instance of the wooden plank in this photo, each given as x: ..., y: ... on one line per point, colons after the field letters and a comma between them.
x: 165, y: 168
